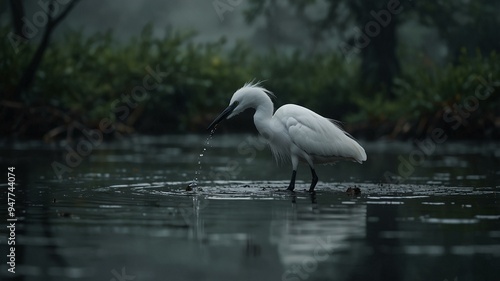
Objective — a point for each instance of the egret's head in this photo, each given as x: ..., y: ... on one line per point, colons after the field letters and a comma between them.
x: 251, y: 95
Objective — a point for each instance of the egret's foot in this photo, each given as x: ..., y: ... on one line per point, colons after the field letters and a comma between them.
x: 290, y: 188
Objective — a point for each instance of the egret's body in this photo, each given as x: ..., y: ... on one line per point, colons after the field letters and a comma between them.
x: 294, y: 132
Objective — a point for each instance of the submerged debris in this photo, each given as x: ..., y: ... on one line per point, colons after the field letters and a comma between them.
x: 192, y: 184
x: 353, y: 191
x: 64, y: 214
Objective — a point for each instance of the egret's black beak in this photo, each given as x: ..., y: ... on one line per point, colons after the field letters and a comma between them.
x: 223, y: 115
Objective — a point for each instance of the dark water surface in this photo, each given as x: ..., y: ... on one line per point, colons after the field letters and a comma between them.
x: 123, y: 213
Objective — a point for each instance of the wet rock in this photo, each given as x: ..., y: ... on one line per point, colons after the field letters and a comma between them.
x: 353, y: 191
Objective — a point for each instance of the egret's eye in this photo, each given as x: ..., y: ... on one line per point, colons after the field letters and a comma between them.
x: 234, y: 104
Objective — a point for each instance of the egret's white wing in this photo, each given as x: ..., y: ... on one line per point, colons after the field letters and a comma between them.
x: 318, y: 136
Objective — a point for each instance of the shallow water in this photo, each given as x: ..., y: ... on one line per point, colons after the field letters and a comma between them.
x: 124, y: 213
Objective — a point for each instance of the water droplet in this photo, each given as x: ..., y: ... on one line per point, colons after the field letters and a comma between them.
x: 198, y: 171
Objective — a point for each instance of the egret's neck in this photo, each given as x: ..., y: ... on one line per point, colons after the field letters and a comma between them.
x: 263, y: 115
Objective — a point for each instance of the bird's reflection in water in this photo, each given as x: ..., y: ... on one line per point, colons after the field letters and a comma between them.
x: 308, y: 236
x: 312, y: 197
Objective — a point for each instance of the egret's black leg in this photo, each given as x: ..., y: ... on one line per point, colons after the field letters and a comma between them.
x: 314, y: 180
x: 291, y: 186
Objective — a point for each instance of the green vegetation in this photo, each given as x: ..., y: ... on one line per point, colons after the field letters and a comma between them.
x: 84, y: 80
x: 461, y: 98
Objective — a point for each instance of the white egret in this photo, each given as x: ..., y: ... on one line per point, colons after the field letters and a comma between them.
x: 294, y: 132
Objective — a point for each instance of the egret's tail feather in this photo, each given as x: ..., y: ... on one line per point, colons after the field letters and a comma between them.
x: 357, y: 151
x: 361, y: 154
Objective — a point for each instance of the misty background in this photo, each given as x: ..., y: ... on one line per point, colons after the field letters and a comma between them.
x: 385, y: 74
x: 127, y: 18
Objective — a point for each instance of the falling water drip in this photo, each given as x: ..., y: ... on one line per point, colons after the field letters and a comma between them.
x: 194, y: 183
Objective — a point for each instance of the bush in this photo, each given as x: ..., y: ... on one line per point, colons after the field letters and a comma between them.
x: 429, y: 96
x: 84, y: 80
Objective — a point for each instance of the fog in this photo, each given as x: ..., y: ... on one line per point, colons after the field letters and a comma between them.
x: 341, y: 57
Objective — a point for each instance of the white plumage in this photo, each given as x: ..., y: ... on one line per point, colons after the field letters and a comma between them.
x: 294, y: 132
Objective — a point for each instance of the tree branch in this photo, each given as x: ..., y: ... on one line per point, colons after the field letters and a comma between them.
x: 64, y: 13
x: 29, y: 73
x: 17, y: 9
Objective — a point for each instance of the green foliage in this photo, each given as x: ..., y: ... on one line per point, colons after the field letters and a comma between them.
x: 12, y: 61
x: 432, y: 96
x: 322, y: 82
x: 88, y: 79
x: 84, y: 80
x: 427, y: 89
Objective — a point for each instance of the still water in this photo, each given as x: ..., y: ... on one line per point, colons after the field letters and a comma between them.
x: 123, y: 213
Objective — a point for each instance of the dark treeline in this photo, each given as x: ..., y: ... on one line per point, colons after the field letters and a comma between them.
x: 371, y: 79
